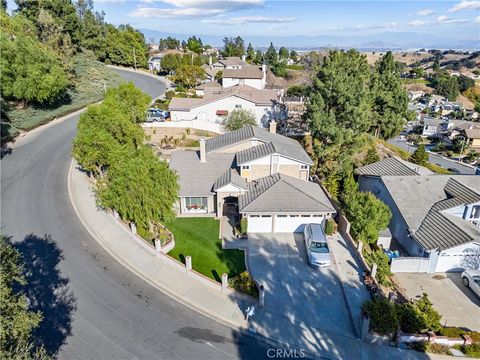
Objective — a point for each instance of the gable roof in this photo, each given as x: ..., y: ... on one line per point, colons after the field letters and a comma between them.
x: 282, y: 144
x: 392, y: 166
x: 245, y: 72
x: 423, y: 200
x: 231, y: 176
x: 212, y: 94
x: 232, y: 61
x: 472, y: 133
x: 297, y: 196
x: 255, y: 152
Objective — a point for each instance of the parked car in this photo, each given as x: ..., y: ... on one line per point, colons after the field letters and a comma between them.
x: 318, y: 252
x: 471, y: 279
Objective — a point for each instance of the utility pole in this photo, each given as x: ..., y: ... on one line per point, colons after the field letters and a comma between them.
x: 134, y: 59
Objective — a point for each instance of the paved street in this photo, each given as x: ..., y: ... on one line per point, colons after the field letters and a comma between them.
x: 436, y: 159
x: 94, y: 308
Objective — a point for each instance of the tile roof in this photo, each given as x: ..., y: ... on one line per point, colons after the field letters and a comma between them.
x: 231, y: 176
x: 197, y: 178
x: 282, y: 144
x: 472, y: 133
x: 423, y: 201
x: 392, y: 166
x: 297, y: 196
x: 211, y: 84
x: 245, y: 72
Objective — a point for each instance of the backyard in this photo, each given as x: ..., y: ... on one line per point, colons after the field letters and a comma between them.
x: 198, y: 237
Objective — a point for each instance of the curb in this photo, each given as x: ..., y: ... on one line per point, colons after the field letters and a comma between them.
x: 167, y: 291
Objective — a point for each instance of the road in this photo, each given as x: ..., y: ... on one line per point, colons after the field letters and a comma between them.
x: 436, y: 159
x: 93, y: 307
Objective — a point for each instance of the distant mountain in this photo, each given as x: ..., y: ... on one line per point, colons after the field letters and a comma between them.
x: 382, y: 40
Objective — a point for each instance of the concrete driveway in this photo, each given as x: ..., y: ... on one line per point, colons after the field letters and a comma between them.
x: 457, y: 304
x: 294, y: 290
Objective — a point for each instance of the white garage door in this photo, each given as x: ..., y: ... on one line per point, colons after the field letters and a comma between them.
x: 295, y: 223
x: 260, y: 223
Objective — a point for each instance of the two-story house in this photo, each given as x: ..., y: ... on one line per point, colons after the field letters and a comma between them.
x: 434, y: 217
x: 260, y: 174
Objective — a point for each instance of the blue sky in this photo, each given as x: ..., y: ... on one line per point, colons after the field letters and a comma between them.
x: 455, y: 19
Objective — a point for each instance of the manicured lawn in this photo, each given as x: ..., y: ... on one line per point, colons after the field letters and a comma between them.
x: 198, y: 237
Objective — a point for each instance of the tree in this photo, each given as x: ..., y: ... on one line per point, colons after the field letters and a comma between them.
x: 30, y: 72
x: 195, y: 45
x: 239, y: 118
x: 258, y: 58
x: 418, y: 316
x: 447, y: 86
x: 368, y: 216
x: 188, y: 75
x: 130, y: 100
x: 283, y: 53
x: 297, y: 90
x: 473, y: 94
x: 417, y: 72
x: 436, y: 64
x: 420, y: 156
x: 294, y: 55
x: 16, y: 322
x: 465, y: 83
x: 250, y: 53
x: 280, y: 69
x: 233, y: 46
x: 271, y: 56
x: 339, y: 109
x: 169, y: 63
x: 371, y: 155
x: 390, y: 99
x: 126, y: 46
x: 141, y: 188
x: 169, y: 43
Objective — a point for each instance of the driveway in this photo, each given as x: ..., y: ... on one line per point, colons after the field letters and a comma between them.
x: 294, y: 290
x: 457, y: 304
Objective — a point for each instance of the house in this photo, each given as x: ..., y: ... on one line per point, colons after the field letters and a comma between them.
x: 154, y: 63
x: 262, y: 175
x: 455, y: 127
x: 433, y: 127
x: 435, y: 218
x: 230, y: 62
x: 200, y: 89
x: 210, y: 72
x: 249, y: 75
x: 217, y: 103
x: 472, y: 135
x: 414, y: 95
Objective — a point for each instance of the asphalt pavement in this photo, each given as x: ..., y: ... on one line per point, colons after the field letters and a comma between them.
x: 436, y: 159
x: 93, y: 307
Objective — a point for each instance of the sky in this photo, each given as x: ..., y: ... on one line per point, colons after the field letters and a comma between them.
x: 455, y: 19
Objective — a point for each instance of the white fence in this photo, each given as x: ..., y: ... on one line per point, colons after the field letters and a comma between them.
x: 409, y: 265
x: 193, y: 124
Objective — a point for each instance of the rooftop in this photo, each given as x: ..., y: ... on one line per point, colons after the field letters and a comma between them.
x: 246, y: 72
x: 393, y: 166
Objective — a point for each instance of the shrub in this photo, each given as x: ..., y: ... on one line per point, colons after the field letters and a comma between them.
x: 418, y: 316
x: 471, y: 350
x: 330, y: 227
x: 170, y: 94
x: 243, y: 282
x: 425, y: 346
x: 295, y: 67
x: 383, y: 267
x: 455, y: 332
x: 243, y: 225
x: 383, y: 318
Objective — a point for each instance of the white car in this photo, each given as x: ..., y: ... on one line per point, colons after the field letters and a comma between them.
x: 471, y: 279
x: 318, y: 253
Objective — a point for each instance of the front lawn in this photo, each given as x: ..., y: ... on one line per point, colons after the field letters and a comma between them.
x: 198, y: 237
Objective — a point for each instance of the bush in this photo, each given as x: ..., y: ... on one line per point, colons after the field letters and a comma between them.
x: 455, y: 332
x: 383, y: 318
x: 170, y: 94
x: 244, y: 283
x: 418, y: 316
x: 471, y: 350
x: 295, y: 67
x: 383, y: 267
x: 330, y: 227
x: 243, y: 225
x: 425, y: 346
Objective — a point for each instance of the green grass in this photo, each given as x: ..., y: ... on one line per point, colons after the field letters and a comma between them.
x: 89, y: 79
x: 198, y: 237
x: 397, y: 150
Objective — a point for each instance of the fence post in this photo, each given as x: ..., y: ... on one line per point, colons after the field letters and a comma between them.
x: 261, y: 296
x: 158, y: 246
x: 365, y: 326
x: 115, y: 215
x: 374, y: 270
x: 188, y: 264
x: 224, y: 282
x: 133, y: 228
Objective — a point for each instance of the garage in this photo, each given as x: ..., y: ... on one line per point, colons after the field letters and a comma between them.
x: 295, y: 223
x: 260, y: 223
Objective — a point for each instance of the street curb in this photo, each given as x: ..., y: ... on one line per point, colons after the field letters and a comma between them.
x: 167, y: 291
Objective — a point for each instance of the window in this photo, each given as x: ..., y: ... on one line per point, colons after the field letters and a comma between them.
x: 254, y: 215
x: 238, y: 106
x: 475, y: 212
x: 196, y: 203
x: 305, y: 215
x: 266, y: 216
x: 281, y: 216
x: 293, y: 215
x: 303, y: 167
x: 245, y: 167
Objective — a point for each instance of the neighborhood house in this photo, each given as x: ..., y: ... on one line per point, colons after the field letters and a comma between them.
x: 258, y: 174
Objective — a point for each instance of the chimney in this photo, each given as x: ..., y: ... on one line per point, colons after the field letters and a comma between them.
x: 264, y: 69
x: 273, y: 127
x: 244, y: 58
x: 203, y: 152
x: 210, y: 61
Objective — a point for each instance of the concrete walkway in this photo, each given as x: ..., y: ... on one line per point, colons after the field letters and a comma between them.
x: 156, y: 270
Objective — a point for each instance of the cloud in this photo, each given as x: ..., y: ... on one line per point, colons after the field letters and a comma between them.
x: 477, y: 20
x: 425, y: 12
x: 466, y: 5
x: 419, y: 23
x: 443, y: 19
x: 249, y: 20
x: 194, y: 8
